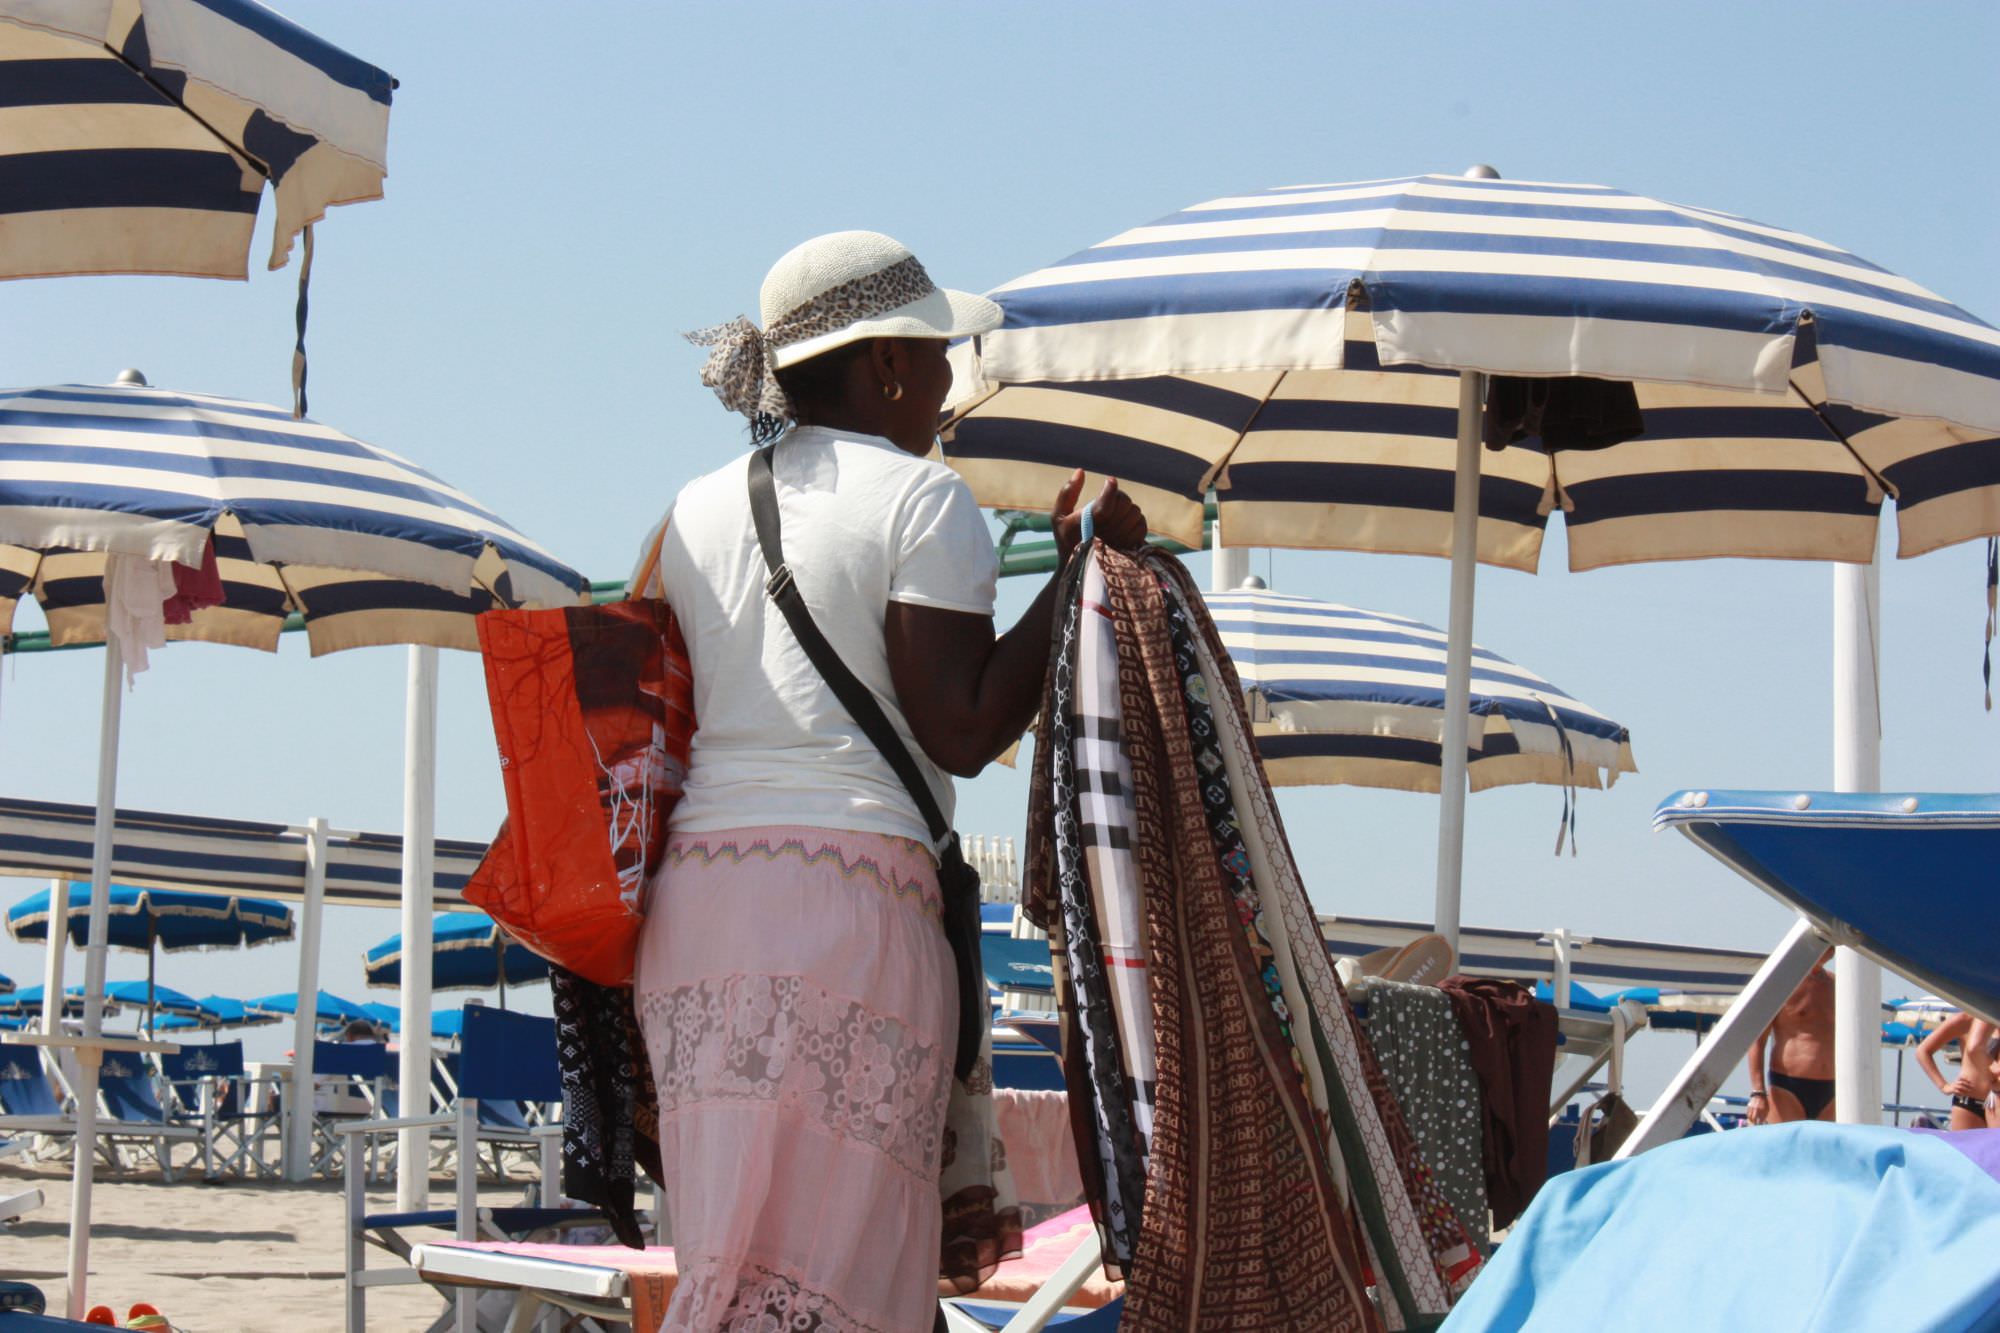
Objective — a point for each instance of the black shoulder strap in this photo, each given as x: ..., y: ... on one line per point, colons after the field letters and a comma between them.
x: 854, y: 696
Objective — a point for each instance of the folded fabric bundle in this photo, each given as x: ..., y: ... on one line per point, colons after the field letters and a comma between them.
x: 1511, y: 1040
x: 1244, y: 1155
x: 1426, y: 1058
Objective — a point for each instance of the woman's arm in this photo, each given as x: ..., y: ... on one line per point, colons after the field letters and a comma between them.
x: 1942, y: 1036
x: 969, y: 694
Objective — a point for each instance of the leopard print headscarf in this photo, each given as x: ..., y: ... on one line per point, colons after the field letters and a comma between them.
x: 740, y: 368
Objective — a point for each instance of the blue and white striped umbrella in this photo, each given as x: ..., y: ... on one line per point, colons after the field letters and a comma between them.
x: 151, y: 126
x: 368, y: 547
x: 1292, y: 349
x: 1339, y: 695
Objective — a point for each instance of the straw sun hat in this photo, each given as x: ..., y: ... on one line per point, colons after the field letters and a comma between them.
x: 832, y: 290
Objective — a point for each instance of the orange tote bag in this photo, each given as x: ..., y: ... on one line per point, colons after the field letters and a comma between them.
x: 593, y: 709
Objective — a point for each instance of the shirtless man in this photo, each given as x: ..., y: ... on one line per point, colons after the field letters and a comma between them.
x: 1801, y: 1038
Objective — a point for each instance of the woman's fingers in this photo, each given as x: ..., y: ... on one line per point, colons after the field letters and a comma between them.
x: 1066, y: 497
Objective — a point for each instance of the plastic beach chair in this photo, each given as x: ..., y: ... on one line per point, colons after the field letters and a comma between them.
x: 133, y: 1112
x: 504, y: 1058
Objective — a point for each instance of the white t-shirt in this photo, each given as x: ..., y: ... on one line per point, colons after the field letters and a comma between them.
x: 864, y: 524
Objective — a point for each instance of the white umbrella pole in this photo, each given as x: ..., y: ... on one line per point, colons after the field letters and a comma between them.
x: 1228, y: 566
x: 419, y: 821
x: 52, y: 958
x: 1857, y: 766
x: 1458, y: 658
x: 89, y: 1057
x: 305, y: 1015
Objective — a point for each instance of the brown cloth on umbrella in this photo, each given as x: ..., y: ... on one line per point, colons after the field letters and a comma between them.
x: 1513, y: 1051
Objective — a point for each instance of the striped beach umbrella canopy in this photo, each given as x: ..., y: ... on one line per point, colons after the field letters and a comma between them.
x: 1329, y: 358
x: 6, y: 984
x: 469, y: 951
x: 1339, y: 695
x: 366, y: 546
x: 1293, y: 349
x: 144, y: 131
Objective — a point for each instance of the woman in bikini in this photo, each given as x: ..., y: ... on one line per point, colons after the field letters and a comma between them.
x: 1970, y: 1090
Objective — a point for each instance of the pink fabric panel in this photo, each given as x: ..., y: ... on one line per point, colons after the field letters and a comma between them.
x: 798, y: 1002
x: 1041, y: 1148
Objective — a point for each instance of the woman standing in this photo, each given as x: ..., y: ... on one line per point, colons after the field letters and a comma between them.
x: 794, y: 984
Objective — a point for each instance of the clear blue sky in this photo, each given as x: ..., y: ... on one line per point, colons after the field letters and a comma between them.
x: 570, y: 187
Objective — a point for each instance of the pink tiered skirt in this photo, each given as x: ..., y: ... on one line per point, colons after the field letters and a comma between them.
x: 797, y: 999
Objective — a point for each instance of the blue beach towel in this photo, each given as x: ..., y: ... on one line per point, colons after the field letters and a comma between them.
x: 1809, y: 1228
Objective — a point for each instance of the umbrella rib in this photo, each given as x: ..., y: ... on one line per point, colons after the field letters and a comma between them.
x: 263, y: 168
x: 1881, y: 481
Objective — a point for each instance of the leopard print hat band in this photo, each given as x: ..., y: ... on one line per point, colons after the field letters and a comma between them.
x: 741, y: 368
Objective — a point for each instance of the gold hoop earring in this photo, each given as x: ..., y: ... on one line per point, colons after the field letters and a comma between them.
x: 892, y: 391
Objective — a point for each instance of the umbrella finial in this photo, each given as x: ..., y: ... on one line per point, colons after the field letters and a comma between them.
x: 132, y: 377
x: 1479, y: 171
x: 1253, y: 584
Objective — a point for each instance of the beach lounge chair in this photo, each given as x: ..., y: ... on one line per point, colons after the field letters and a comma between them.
x: 29, y: 1102
x: 1843, y: 861
x: 208, y: 1086
x: 26, y: 1201
x: 133, y: 1114
x: 351, y: 1076
x: 504, y: 1058
x: 1057, y: 1282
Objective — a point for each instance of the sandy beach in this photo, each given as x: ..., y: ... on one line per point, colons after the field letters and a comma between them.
x: 214, y: 1258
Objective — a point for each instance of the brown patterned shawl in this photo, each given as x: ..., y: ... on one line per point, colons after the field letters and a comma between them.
x: 1244, y: 1224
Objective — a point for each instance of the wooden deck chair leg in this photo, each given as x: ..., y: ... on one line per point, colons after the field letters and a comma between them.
x: 1689, y: 1090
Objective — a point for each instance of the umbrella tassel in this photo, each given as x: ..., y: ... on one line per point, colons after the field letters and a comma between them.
x: 1566, y: 824
x: 299, y: 347
x: 1992, y: 599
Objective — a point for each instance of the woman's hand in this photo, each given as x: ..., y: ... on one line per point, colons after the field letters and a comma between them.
x: 1118, y: 521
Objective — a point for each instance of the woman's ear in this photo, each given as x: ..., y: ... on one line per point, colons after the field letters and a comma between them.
x: 886, y: 357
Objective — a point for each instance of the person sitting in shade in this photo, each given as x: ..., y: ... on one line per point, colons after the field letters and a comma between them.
x: 1970, y: 1091
x: 1800, y: 1040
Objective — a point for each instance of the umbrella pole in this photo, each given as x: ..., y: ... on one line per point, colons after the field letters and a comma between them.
x: 419, y: 816
x: 52, y: 962
x: 298, y: 1126
x: 152, y: 942
x: 1857, y: 766
x: 1458, y: 659
x: 88, y: 1057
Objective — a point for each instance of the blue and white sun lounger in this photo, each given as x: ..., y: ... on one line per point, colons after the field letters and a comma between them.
x: 1847, y: 863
